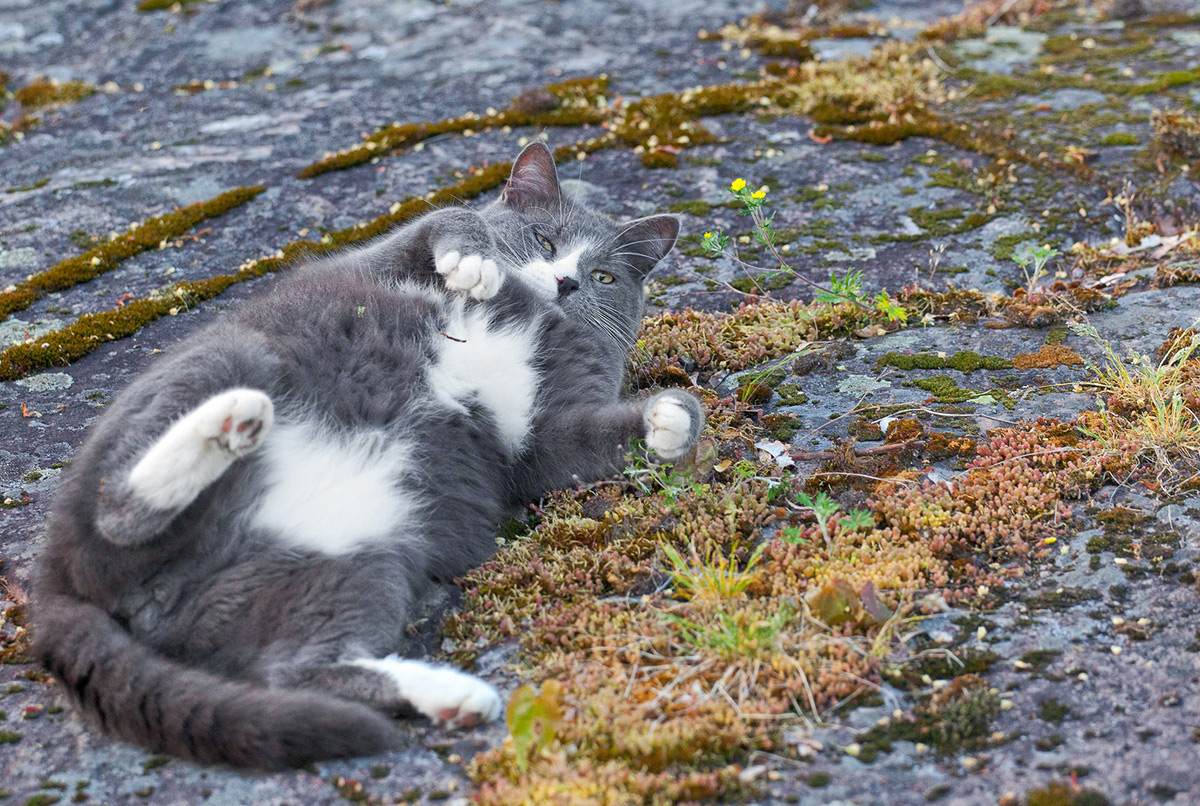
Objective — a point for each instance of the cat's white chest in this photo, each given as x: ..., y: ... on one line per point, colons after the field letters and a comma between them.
x: 480, y: 361
x: 331, y: 491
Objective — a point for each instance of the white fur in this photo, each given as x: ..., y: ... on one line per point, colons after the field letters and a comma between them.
x: 668, y: 427
x: 438, y: 692
x: 198, y: 448
x: 492, y: 365
x: 543, y: 276
x: 471, y: 274
x: 331, y: 492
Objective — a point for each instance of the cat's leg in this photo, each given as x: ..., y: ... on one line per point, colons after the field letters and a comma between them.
x: 464, y: 252
x: 193, y: 453
x: 582, y: 443
x: 400, y: 685
x: 453, y: 244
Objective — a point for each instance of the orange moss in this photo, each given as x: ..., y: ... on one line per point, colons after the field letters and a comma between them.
x: 1050, y: 356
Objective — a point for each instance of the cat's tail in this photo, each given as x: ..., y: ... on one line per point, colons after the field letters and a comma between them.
x: 137, y: 695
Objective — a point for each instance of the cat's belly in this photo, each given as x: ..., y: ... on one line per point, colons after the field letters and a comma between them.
x: 480, y: 361
x: 334, y: 491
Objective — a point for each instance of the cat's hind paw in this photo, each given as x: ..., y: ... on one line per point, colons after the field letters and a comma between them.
x: 198, y: 448
x: 237, y: 420
x: 440, y: 693
x: 474, y: 275
x: 673, y: 420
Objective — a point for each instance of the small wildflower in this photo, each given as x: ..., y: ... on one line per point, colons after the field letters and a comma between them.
x: 737, y: 185
x: 759, y: 194
x: 714, y: 243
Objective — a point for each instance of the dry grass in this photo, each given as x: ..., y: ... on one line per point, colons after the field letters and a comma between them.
x: 1149, y: 407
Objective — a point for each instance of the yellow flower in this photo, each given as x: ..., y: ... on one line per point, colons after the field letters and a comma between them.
x: 707, y: 235
x: 737, y: 185
x: 759, y: 194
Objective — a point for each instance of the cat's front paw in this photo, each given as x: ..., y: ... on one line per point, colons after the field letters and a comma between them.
x: 236, y: 421
x: 673, y: 422
x: 475, y: 275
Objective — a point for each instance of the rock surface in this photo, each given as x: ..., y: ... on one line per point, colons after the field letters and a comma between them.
x: 219, y: 95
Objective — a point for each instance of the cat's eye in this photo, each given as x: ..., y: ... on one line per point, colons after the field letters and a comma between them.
x: 602, y: 277
x: 544, y: 242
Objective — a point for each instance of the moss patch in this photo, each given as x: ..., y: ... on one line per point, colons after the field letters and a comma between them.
x: 965, y: 361
x: 1048, y: 357
x: 567, y: 103
x: 149, y: 234
x: 48, y: 92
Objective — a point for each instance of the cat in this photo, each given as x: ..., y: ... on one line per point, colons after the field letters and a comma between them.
x: 234, y: 552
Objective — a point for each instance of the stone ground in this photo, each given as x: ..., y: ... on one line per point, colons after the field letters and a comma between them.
x: 287, y: 87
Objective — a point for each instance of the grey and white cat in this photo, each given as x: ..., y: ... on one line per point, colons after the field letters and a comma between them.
x: 236, y: 549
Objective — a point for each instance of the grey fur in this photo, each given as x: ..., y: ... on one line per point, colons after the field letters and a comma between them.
x: 192, y: 631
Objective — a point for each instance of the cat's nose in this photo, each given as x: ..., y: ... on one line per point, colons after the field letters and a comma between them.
x: 566, y: 285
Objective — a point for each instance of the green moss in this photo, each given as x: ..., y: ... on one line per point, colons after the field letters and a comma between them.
x: 1061, y: 599
x: 43, y: 799
x: 45, y: 180
x: 1051, y: 710
x: 911, y: 362
x: 967, y: 361
x: 567, y: 103
x: 108, y: 255
x: 164, y: 5
x: 781, y: 426
x: 1120, y: 139
x: 951, y: 720
x: 944, y: 667
x: 9, y: 737
x: 757, y: 387
x: 660, y: 158
x: 762, y: 283
x: 39, y: 94
x: 1004, y: 247
x: 1040, y: 659
x: 1057, y: 794
x: 696, y: 207
x: 790, y: 395
x: 818, y: 780
x: 91, y: 331
x: 945, y: 389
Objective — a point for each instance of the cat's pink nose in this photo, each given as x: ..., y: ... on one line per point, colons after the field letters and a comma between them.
x: 566, y: 285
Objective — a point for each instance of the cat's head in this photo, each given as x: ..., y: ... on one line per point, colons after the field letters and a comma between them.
x: 591, y: 266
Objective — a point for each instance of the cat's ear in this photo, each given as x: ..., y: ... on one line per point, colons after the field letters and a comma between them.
x: 534, y: 179
x: 646, y: 241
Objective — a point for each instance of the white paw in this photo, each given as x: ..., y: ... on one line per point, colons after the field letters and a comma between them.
x: 473, y: 274
x: 668, y: 427
x: 235, y: 421
x: 200, y: 446
x: 440, y: 693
